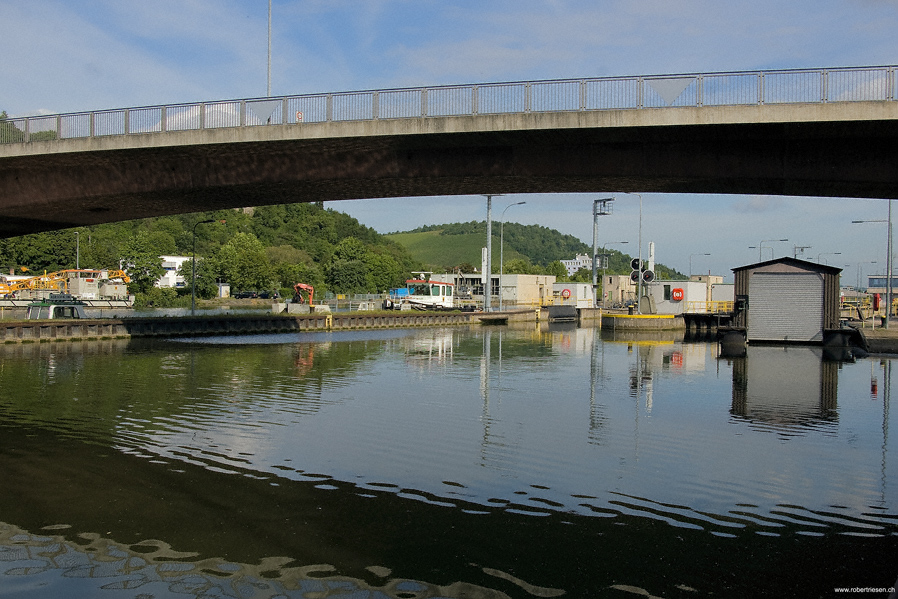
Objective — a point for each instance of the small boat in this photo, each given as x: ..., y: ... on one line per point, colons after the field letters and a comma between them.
x: 57, y: 306
x: 422, y: 294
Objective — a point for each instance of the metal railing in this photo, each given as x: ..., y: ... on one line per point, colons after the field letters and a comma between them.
x: 849, y: 84
x: 712, y: 307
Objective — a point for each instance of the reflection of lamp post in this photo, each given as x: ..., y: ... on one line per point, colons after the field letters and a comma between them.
x: 502, y: 249
x: 193, y: 265
x: 690, y: 262
x: 888, y: 262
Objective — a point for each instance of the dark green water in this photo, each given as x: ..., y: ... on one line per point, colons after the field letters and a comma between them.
x: 482, y: 462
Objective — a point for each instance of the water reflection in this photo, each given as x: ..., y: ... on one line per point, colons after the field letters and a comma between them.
x: 785, y: 388
x: 398, y: 463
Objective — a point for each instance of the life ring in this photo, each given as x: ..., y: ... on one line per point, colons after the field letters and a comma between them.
x: 566, y: 293
x: 676, y: 294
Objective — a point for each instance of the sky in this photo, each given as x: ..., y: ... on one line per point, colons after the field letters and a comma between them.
x: 71, y: 55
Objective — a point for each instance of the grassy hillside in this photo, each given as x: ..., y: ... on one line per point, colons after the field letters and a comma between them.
x: 443, y: 252
x: 443, y: 247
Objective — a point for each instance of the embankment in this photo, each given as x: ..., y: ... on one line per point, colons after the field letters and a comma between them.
x: 110, y: 328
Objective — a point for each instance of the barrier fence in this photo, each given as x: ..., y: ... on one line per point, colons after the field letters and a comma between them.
x: 850, y: 84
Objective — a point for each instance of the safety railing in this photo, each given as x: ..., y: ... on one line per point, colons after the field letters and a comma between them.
x: 850, y: 84
x: 713, y: 307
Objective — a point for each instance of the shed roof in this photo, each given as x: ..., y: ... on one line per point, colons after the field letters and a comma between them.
x: 795, y: 262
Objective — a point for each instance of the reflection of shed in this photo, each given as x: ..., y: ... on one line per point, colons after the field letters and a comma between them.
x: 785, y: 387
x: 787, y: 300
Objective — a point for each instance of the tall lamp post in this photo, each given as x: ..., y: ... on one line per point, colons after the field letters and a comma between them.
x: 502, y: 249
x: 827, y: 254
x: 488, y: 268
x: 888, y: 262
x: 690, y: 261
x: 193, y: 266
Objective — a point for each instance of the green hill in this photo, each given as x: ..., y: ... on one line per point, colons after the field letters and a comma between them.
x: 445, y: 247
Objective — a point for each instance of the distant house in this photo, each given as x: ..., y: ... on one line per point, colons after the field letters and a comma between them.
x: 172, y: 264
x: 580, y: 261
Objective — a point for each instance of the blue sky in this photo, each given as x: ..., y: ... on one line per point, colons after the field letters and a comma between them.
x: 68, y: 55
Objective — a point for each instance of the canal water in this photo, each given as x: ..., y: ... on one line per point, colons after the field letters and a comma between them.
x: 482, y: 462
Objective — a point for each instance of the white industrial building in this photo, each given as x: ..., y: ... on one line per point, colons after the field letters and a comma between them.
x: 172, y: 264
x: 701, y: 294
x: 579, y: 261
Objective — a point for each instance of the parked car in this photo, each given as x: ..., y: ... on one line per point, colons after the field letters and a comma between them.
x: 269, y: 295
x: 246, y: 295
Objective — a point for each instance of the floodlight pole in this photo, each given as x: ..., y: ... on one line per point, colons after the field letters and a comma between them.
x: 599, y: 208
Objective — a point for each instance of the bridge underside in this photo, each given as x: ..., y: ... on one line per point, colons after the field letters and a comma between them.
x: 60, y: 189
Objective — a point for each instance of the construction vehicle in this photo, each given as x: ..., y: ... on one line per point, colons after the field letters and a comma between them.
x: 83, y: 283
x: 298, y: 290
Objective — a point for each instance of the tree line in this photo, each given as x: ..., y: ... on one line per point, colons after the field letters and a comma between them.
x: 263, y: 248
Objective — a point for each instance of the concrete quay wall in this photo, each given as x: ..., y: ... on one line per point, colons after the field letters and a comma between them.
x: 643, y: 322
x: 109, y: 328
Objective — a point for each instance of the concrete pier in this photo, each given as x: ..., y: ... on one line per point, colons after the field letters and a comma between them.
x: 643, y: 322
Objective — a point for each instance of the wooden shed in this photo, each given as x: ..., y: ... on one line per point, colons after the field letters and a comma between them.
x: 787, y: 300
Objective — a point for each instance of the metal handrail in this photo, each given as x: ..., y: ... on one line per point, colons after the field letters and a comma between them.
x: 712, y: 307
x: 737, y: 88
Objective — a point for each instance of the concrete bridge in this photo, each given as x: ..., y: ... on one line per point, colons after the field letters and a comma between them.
x: 822, y: 132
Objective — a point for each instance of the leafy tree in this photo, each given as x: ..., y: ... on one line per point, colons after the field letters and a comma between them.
x: 243, y: 263
x: 9, y: 133
x: 518, y: 266
x: 347, y: 271
x: 557, y: 269
x: 583, y: 275
x: 142, y: 263
x: 206, y: 281
x: 384, y: 272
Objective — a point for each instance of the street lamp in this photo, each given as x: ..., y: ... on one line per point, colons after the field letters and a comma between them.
x: 827, y: 254
x: 193, y: 265
x: 888, y: 262
x: 268, y: 89
x: 488, y: 268
x: 502, y: 249
x: 763, y: 241
x: 690, y: 261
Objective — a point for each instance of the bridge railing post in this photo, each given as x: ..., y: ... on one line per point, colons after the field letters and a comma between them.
x: 760, y: 88
x: 474, y: 100
x: 329, y: 108
x: 163, y: 126
x: 375, y: 105
x: 424, y: 102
